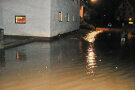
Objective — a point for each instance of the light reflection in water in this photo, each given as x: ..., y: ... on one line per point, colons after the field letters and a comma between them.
x: 21, y: 56
x: 91, y: 57
x: 80, y: 47
x: 90, y: 37
x: 59, y: 66
x: 91, y: 61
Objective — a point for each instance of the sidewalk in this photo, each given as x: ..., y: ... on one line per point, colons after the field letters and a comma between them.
x: 10, y: 41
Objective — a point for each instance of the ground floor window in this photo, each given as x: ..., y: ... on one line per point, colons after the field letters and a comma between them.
x: 20, y: 19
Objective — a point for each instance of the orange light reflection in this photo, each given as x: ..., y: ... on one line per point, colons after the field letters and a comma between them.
x: 91, y: 57
x: 90, y: 37
x: 91, y: 61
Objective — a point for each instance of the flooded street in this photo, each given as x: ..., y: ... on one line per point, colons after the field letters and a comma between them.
x: 83, y: 61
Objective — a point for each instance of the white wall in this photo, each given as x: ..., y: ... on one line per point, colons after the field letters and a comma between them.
x: 64, y: 6
x: 37, y: 16
x: 41, y: 17
x: 1, y: 19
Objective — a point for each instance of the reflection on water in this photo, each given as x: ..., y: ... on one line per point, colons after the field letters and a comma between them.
x: 91, y: 61
x: 20, y: 55
x: 90, y: 37
x: 91, y: 57
x: 68, y: 64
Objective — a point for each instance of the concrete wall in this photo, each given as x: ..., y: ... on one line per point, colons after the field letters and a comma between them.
x: 1, y: 19
x: 64, y: 6
x: 41, y: 17
x: 37, y: 14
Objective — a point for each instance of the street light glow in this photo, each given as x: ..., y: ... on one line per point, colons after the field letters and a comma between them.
x: 93, y: 1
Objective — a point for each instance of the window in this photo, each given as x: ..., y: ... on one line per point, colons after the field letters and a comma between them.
x: 20, y: 19
x: 73, y: 18
x: 67, y: 17
x: 60, y: 16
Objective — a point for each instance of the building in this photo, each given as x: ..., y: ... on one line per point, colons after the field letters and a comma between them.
x: 39, y: 18
x: 125, y: 11
x: 84, y: 10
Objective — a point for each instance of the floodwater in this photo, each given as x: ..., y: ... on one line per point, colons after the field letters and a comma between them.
x: 87, y: 61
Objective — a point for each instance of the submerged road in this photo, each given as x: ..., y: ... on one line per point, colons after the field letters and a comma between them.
x: 86, y: 60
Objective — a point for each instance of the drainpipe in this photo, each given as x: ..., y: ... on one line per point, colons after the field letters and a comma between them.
x: 1, y: 38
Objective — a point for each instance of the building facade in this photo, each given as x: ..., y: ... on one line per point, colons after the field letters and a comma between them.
x: 125, y: 11
x: 42, y: 18
x: 85, y: 10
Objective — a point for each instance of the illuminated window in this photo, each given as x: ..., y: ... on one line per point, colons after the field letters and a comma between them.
x: 67, y: 17
x: 20, y: 19
x: 60, y: 16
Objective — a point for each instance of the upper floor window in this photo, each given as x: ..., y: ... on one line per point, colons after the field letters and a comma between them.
x: 60, y: 16
x: 73, y: 18
x: 67, y: 17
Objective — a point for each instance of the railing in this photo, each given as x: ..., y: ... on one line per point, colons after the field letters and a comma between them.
x: 1, y: 38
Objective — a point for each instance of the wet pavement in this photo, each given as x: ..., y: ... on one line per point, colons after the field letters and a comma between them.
x: 13, y: 41
x: 10, y: 39
x: 85, y: 60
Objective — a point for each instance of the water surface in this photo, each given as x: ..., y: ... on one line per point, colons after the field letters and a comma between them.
x: 75, y: 62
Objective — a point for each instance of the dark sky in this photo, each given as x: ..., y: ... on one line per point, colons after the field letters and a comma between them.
x: 106, y: 10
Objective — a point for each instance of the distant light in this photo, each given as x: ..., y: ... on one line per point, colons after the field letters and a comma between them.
x: 93, y: 1
x: 130, y: 19
x: 131, y: 22
x: 116, y: 67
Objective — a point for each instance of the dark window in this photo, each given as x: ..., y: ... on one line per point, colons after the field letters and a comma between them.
x: 67, y: 17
